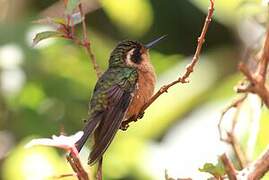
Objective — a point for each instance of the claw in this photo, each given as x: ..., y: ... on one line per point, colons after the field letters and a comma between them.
x: 140, y: 116
x: 124, y: 126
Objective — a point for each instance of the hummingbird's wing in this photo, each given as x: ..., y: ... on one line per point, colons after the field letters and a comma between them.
x: 109, y: 103
x: 119, y: 100
x: 89, y: 127
x: 118, y: 96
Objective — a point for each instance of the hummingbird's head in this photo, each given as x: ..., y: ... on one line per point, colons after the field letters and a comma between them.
x: 131, y: 53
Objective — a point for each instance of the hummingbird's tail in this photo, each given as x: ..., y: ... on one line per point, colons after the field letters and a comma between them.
x: 88, y: 130
x: 109, y: 126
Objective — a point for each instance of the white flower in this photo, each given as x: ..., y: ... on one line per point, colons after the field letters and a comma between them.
x: 63, y: 142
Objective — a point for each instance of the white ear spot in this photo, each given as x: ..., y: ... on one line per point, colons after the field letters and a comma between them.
x: 128, y: 58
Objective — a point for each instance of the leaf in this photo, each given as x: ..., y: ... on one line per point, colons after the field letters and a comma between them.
x: 216, y: 170
x: 45, y: 35
x: 51, y: 21
x: 59, y: 21
x: 71, y: 5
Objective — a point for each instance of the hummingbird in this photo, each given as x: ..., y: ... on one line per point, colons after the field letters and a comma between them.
x: 119, y: 94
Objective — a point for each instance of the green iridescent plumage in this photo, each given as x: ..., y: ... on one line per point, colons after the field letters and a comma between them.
x: 110, y: 100
x: 124, y: 77
x: 117, y: 73
x: 118, y: 55
x: 116, y: 97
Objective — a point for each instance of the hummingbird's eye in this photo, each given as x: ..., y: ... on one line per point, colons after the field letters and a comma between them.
x: 136, y: 56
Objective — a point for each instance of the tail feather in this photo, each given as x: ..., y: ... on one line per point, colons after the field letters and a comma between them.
x: 88, y: 130
x: 103, y: 142
x: 108, y: 128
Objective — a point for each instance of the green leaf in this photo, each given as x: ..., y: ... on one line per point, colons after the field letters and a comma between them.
x: 71, y: 5
x: 216, y: 170
x: 51, y: 21
x: 59, y: 21
x: 45, y: 35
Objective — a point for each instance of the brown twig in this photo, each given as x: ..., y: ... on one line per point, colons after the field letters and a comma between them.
x: 57, y: 9
x: 67, y: 30
x: 263, y: 66
x: 229, y: 167
x: 231, y: 139
x: 77, y: 167
x: 239, y: 153
x: 256, y: 84
x: 258, y: 168
x: 257, y: 79
x: 166, y: 177
x: 254, y: 171
x: 64, y: 176
x: 189, y: 68
x: 87, y: 44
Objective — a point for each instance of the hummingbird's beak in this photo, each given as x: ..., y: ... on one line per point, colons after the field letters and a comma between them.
x: 154, y: 42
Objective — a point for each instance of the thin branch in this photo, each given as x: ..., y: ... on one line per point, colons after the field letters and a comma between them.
x: 239, y: 153
x: 166, y: 177
x: 189, y: 68
x: 77, y: 167
x: 258, y: 168
x: 67, y: 31
x: 258, y: 78
x: 256, y: 85
x: 64, y: 176
x: 86, y: 43
x: 57, y: 9
x: 262, y: 70
x: 231, y: 139
x: 229, y: 167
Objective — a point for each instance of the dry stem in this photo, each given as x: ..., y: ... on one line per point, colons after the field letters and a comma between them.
x: 229, y: 167
x: 189, y: 67
x: 258, y: 168
x: 86, y: 43
x: 69, y: 33
x: 188, y: 70
x: 77, y: 167
x: 257, y: 84
x: 254, y: 171
x: 257, y: 79
x: 166, y: 177
x: 231, y: 139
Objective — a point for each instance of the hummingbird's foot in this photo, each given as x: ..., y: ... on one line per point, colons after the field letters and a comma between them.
x: 124, y: 126
x: 140, y: 116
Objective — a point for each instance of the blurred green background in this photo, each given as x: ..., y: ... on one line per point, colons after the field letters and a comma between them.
x: 45, y: 89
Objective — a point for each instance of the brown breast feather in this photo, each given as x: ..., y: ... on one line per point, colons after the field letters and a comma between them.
x: 143, y: 91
